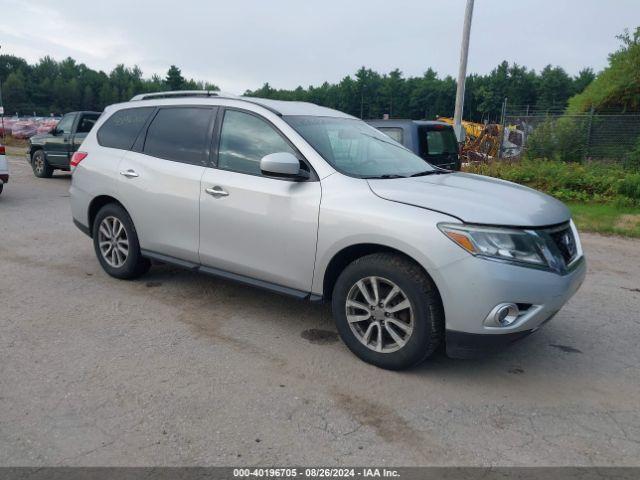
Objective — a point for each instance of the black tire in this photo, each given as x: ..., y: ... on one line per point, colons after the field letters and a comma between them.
x: 425, y: 303
x: 40, y: 166
x: 135, y: 264
x: 1, y: 187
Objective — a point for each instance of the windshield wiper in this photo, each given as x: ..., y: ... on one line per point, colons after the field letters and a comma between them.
x: 430, y: 172
x: 386, y: 175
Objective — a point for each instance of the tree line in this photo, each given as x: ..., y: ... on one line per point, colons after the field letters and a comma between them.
x: 369, y: 94
x: 51, y: 86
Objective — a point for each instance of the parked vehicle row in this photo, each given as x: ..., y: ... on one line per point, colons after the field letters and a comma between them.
x: 313, y: 203
x: 26, y: 127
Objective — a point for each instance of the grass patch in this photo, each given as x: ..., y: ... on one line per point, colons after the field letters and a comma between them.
x: 569, y: 182
x: 9, y: 141
x: 607, y: 218
x: 603, y: 198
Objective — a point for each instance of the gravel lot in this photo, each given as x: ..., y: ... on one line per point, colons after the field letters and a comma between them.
x: 182, y: 369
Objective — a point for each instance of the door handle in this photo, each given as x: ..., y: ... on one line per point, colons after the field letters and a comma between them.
x: 129, y: 173
x: 217, y: 191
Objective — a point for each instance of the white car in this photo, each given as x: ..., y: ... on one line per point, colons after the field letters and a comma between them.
x: 4, y: 168
x: 314, y: 203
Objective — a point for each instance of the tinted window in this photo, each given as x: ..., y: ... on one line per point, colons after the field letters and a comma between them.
x: 87, y: 121
x: 394, y: 133
x: 180, y: 134
x: 121, y: 129
x: 245, y: 139
x: 438, y: 141
x: 64, y: 125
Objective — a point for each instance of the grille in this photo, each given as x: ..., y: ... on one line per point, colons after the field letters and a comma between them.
x: 566, y: 243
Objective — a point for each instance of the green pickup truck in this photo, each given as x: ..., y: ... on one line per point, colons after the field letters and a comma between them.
x: 52, y: 151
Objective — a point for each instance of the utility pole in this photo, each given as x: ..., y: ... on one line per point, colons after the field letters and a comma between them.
x: 462, y: 71
x: 2, y: 112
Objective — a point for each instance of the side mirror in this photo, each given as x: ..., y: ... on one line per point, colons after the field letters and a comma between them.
x: 283, y: 165
x: 54, y: 131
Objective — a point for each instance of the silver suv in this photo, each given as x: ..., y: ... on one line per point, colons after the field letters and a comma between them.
x: 316, y: 204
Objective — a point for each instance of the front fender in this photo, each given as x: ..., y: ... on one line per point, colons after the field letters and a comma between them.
x: 350, y: 214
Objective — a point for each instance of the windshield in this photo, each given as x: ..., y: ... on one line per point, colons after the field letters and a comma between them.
x: 357, y: 149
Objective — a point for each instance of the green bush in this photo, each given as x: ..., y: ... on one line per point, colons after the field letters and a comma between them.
x: 569, y: 182
x: 561, y: 139
x: 541, y: 143
x: 630, y: 186
x: 632, y: 159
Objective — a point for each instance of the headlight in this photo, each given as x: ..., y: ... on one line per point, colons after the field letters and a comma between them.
x: 510, y: 245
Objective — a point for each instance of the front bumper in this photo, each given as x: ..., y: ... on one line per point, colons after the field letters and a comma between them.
x: 473, y: 345
x: 472, y: 287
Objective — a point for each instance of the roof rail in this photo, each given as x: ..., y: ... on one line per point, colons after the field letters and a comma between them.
x: 202, y: 93
x: 181, y: 93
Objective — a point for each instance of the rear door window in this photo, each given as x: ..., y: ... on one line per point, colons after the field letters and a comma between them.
x: 180, y: 134
x: 121, y: 129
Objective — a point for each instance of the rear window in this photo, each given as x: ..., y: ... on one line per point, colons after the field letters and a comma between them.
x: 87, y: 121
x: 437, y: 140
x: 180, y: 134
x: 121, y: 129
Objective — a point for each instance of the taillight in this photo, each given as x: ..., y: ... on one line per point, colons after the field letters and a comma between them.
x: 2, y: 150
x: 77, y: 158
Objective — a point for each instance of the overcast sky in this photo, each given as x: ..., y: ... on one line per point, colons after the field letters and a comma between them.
x: 241, y: 44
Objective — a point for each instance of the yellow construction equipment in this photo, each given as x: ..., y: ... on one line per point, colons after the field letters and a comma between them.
x: 482, y: 142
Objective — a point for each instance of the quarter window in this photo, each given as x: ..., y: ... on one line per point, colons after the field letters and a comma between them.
x: 180, y: 134
x: 392, y: 132
x: 121, y: 129
x: 245, y: 139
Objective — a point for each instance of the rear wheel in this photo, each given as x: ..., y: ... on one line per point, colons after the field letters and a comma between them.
x: 116, y: 243
x: 40, y: 166
x: 387, y: 311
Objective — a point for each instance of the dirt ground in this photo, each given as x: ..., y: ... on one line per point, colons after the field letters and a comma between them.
x: 182, y: 369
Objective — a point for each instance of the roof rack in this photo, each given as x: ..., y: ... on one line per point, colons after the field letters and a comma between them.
x: 181, y: 93
x: 201, y: 93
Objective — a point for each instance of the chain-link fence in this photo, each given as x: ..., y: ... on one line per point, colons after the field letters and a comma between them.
x: 610, y: 136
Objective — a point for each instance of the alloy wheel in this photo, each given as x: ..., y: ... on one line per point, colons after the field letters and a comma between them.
x: 39, y: 163
x: 113, y: 241
x: 379, y: 314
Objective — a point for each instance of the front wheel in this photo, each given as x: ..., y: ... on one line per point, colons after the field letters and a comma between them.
x: 116, y: 243
x: 40, y: 166
x: 388, y: 311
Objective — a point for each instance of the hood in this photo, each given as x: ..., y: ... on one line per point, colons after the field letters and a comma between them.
x: 38, y: 139
x: 475, y: 199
